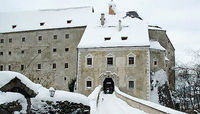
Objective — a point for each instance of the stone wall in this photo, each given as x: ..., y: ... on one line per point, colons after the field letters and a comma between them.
x: 140, y: 106
x: 61, y: 107
x: 162, y: 38
x: 47, y: 76
x: 10, y: 108
x: 120, y: 72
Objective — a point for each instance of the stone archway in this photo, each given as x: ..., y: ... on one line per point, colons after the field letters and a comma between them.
x: 108, y: 86
x: 109, y: 74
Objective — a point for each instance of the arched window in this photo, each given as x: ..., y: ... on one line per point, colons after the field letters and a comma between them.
x: 131, y: 59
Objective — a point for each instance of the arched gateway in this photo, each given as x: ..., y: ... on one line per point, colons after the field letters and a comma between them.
x: 108, y: 80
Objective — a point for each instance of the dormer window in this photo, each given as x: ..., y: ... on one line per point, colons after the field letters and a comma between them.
x: 107, y: 38
x: 42, y: 24
x: 124, y: 38
x: 14, y: 26
x: 69, y: 21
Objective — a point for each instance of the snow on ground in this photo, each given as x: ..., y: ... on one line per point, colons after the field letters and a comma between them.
x: 7, y: 76
x: 6, y: 97
x: 93, y: 99
x: 110, y: 104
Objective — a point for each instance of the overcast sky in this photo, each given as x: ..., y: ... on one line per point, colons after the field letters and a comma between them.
x: 181, y: 18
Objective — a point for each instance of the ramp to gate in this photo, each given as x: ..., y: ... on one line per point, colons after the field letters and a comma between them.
x: 146, y: 106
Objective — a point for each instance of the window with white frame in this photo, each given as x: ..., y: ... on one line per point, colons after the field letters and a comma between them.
x: 88, y: 83
x: 110, y: 59
x: 131, y: 83
x: 89, y: 60
x: 131, y: 59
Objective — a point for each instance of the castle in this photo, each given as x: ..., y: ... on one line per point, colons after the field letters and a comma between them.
x: 53, y: 47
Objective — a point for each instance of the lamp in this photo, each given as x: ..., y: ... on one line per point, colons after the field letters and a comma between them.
x: 51, y: 91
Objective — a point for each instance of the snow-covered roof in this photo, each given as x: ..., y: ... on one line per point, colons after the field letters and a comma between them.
x: 7, y: 76
x: 6, y: 97
x: 43, y: 94
x: 44, y: 19
x: 154, y: 27
x: 156, y: 45
x: 134, y: 29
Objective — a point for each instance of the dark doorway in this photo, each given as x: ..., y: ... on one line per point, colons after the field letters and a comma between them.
x: 108, y: 86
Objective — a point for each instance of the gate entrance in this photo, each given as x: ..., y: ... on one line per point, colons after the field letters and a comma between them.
x: 108, y: 86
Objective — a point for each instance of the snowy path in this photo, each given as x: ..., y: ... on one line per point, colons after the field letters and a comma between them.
x: 110, y: 104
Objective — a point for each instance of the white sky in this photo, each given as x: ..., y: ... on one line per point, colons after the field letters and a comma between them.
x: 181, y: 18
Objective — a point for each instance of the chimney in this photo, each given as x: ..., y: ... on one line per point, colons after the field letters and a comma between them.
x: 120, y: 25
x: 112, y: 8
x: 102, y: 19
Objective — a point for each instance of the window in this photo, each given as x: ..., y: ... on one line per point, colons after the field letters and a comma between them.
x: 39, y: 51
x: 89, y: 61
x: 10, y: 40
x: 39, y: 66
x: 23, y: 39
x: 107, y: 38
x: 66, y: 49
x: 124, y: 38
x: 69, y: 21
x: 65, y: 78
x: 66, y: 65
x: 131, y: 85
x: 110, y: 61
x: 9, y: 67
x: 67, y: 36
x: 9, y: 53
x: 39, y: 38
x: 1, y: 67
x: 166, y: 65
x: 131, y: 60
x: 22, y: 67
x: 54, y: 49
x: 1, y: 53
x: 2, y: 41
x: 54, y: 65
x: 55, y: 37
x: 155, y: 62
x: 14, y: 26
x: 42, y: 24
x: 22, y: 52
x: 88, y: 84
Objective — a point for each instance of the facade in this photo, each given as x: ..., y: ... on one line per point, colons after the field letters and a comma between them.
x: 53, y: 53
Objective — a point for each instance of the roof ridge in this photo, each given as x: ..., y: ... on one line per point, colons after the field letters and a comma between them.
x: 60, y: 9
